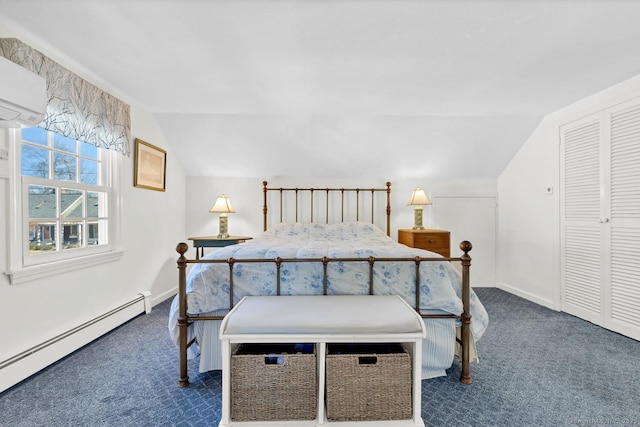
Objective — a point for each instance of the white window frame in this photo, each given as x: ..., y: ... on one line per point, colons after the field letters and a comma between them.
x: 23, y: 267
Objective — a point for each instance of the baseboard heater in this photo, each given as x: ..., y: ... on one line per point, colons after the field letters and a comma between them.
x: 144, y: 296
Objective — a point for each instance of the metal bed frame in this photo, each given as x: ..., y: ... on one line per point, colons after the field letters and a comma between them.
x: 184, y: 319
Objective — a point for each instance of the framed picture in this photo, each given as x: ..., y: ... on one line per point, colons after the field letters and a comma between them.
x: 150, y: 166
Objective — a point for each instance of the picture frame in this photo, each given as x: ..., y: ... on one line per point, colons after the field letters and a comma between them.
x: 150, y: 166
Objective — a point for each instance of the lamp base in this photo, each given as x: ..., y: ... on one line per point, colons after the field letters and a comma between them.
x: 224, y: 221
x: 417, y: 218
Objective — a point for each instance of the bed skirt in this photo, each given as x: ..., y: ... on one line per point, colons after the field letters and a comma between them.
x: 438, y: 348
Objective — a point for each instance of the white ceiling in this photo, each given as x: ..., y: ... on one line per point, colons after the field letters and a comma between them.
x: 328, y: 88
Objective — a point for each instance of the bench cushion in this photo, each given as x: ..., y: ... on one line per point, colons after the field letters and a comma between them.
x: 322, y: 314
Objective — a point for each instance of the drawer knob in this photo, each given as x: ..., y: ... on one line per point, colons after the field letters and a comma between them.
x: 432, y: 240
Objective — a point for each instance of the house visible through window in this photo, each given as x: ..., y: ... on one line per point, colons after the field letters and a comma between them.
x: 65, y: 194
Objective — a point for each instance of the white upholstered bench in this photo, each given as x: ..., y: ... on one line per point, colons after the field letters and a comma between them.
x: 322, y: 320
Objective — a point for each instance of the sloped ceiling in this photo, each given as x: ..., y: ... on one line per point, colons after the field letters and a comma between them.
x: 351, y: 88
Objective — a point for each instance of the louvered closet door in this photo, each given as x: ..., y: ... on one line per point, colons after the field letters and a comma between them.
x: 582, y: 293
x: 600, y: 218
x: 623, y: 297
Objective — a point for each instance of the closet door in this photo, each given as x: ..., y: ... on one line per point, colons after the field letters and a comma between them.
x: 623, y: 296
x: 582, y: 293
x: 600, y: 243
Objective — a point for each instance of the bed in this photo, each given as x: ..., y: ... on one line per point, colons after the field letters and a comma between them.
x: 303, y: 255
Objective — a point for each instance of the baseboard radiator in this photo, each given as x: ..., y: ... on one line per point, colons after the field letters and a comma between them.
x: 38, y: 357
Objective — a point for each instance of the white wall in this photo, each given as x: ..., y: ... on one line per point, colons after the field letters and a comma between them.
x: 528, y: 216
x: 527, y: 251
x: 153, y: 219
x: 33, y: 312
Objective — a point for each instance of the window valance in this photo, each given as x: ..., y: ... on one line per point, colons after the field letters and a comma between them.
x: 75, y: 108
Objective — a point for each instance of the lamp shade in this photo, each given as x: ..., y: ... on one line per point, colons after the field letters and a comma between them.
x: 419, y: 198
x: 222, y: 205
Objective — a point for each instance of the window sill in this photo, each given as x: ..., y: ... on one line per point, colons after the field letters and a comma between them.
x: 27, y: 274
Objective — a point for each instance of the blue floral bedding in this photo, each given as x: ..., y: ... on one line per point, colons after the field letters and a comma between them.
x: 440, y: 282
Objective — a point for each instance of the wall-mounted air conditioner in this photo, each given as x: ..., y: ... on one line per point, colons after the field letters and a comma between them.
x: 23, y: 96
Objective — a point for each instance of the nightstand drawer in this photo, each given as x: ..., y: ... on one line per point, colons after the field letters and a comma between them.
x: 437, y: 241
x: 434, y: 242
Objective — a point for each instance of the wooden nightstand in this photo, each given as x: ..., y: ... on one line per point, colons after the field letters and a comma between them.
x: 215, y: 242
x: 437, y: 241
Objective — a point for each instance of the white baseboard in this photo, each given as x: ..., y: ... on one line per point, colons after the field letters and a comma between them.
x: 528, y: 296
x: 157, y: 299
x: 33, y: 360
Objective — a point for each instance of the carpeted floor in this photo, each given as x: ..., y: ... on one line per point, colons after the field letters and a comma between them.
x: 546, y: 369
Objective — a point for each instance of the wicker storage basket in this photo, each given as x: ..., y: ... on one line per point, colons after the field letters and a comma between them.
x: 271, y: 382
x: 368, y: 382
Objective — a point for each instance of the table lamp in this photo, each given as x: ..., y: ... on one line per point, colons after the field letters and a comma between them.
x: 223, y: 207
x: 418, y: 199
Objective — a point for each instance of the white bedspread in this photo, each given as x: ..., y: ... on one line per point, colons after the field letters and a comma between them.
x: 440, y: 282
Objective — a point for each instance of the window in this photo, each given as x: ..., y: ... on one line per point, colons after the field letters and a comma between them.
x: 66, y: 193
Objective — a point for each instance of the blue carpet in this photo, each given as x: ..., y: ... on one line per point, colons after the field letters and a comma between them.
x: 546, y: 369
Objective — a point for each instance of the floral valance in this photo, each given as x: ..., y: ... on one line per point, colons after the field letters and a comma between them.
x: 75, y: 108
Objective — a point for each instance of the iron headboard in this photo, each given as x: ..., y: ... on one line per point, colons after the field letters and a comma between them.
x: 348, y: 192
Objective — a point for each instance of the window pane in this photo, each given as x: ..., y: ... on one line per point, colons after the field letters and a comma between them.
x: 93, y: 233
x: 64, y: 167
x: 88, y: 171
x: 35, y: 161
x: 88, y: 150
x: 42, y: 235
x: 63, y: 143
x: 97, y: 206
x: 71, y: 203
x: 71, y: 234
x: 42, y: 202
x: 92, y: 204
x: 101, y: 232
x: 35, y: 135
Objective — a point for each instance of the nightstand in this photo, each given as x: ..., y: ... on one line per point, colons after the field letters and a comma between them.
x: 215, y: 242
x: 437, y: 241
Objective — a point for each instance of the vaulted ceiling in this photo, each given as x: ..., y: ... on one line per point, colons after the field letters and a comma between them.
x: 328, y: 88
